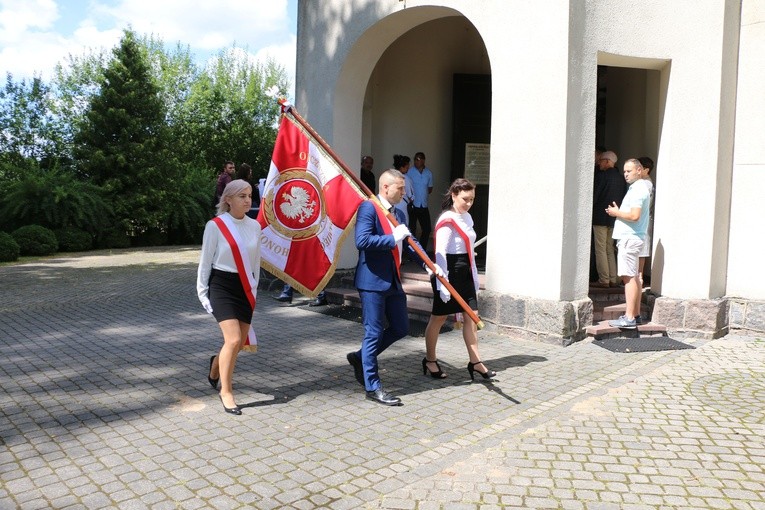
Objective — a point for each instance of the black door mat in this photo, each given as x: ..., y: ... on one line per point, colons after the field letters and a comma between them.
x: 350, y: 313
x: 642, y: 344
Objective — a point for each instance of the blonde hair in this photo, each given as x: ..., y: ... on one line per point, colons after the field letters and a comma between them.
x: 232, y: 188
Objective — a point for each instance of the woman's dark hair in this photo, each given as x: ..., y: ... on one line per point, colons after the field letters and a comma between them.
x: 400, y: 161
x: 458, y: 185
x: 646, y: 162
x: 244, y: 172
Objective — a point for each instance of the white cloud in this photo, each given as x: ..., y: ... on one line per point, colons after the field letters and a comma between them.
x: 30, y: 42
x: 203, y: 24
x: 16, y: 17
x: 284, y: 54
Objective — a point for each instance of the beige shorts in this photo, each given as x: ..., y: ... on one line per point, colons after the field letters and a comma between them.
x: 628, y: 256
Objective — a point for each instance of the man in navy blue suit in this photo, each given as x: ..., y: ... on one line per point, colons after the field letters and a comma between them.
x: 378, y: 281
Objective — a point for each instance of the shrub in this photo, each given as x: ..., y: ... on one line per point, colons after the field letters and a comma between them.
x: 55, y: 199
x: 9, y: 248
x: 113, y: 238
x: 188, y: 206
x: 35, y: 240
x: 73, y: 239
x: 150, y: 237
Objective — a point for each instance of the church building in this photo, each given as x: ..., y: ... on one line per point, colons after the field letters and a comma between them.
x: 516, y: 95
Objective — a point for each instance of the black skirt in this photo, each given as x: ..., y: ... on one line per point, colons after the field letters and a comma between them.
x: 227, y: 297
x: 461, y: 278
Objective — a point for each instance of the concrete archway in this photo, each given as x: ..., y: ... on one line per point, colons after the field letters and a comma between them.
x: 393, y: 94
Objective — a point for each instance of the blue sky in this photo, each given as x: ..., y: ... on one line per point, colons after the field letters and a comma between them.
x: 35, y: 35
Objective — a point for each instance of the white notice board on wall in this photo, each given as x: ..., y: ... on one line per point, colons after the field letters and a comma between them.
x: 477, y: 162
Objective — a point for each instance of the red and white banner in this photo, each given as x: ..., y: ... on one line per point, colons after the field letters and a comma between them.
x: 307, y: 209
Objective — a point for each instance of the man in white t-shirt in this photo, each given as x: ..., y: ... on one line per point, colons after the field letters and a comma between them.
x: 630, y: 229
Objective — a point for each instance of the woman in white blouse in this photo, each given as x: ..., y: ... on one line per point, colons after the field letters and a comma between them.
x: 454, y: 244
x: 227, y: 282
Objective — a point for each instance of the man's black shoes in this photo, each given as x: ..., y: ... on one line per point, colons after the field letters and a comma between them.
x: 383, y: 397
x: 319, y: 301
x: 284, y: 298
x: 358, y: 369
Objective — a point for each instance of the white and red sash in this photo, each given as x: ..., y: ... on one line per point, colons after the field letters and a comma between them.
x: 465, y: 238
x: 243, y: 267
x: 387, y: 227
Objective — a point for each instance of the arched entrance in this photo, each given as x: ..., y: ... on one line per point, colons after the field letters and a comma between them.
x: 406, y: 102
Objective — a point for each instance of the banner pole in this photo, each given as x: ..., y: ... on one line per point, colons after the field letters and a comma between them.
x: 288, y: 108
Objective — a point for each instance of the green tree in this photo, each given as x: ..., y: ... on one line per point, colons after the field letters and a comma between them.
x: 28, y: 128
x: 54, y: 199
x: 228, y: 115
x: 74, y: 84
x: 121, y: 145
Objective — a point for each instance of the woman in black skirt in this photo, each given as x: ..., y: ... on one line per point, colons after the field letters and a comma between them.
x: 227, y: 285
x: 454, y: 242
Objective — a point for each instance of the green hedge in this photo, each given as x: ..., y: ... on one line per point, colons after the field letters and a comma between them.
x: 73, y: 239
x: 35, y: 240
x: 9, y: 248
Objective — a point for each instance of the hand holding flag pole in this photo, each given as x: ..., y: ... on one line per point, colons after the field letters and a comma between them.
x: 288, y: 108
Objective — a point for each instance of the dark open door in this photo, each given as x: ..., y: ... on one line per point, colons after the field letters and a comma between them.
x: 471, y: 136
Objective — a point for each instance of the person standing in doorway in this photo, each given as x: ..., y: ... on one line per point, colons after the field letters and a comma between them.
x: 645, y: 252
x: 367, y: 176
x: 629, y: 231
x: 608, y: 188
x: 422, y: 186
x: 402, y: 164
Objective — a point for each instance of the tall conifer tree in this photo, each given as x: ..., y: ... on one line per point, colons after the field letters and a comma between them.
x: 121, y: 145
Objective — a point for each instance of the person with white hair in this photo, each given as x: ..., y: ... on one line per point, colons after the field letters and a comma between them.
x: 608, y: 187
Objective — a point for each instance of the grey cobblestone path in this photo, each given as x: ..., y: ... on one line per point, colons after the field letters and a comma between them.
x: 105, y: 404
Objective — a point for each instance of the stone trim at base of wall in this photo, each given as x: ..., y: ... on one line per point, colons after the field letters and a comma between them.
x: 698, y: 318
x: 557, y: 322
x: 747, y: 316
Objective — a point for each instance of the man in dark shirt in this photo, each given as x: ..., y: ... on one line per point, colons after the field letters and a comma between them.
x: 224, y: 177
x: 609, y: 187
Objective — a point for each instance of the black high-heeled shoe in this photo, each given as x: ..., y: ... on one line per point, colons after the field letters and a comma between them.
x: 213, y: 382
x: 435, y: 375
x: 472, y: 371
x: 231, y: 410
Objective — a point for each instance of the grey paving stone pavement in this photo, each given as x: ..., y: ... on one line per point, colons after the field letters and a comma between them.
x: 104, y: 403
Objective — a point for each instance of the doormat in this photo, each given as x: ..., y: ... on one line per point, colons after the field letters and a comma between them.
x: 641, y: 344
x: 351, y: 313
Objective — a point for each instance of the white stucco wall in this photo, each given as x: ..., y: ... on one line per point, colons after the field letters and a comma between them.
x: 543, y: 65
x: 745, y: 277
x: 695, y: 147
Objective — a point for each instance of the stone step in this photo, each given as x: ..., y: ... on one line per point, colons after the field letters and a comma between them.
x: 416, y: 284
x: 603, y: 330
x: 608, y: 304
x: 418, y: 308
x: 601, y: 312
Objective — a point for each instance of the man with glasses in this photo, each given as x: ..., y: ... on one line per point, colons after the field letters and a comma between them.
x: 609, y: 187
x: 422, y: 185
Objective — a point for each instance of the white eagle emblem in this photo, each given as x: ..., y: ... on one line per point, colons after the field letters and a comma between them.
x: 296, y: 204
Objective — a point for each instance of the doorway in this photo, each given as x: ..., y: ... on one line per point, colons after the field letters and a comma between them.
x: 471, y: 143
x: 628, y: 118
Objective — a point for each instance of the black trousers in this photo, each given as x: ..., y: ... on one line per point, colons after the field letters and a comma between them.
x: 421, y: 215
